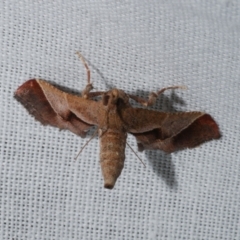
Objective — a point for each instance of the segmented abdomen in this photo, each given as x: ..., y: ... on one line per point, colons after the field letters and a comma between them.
x: 112, y: 155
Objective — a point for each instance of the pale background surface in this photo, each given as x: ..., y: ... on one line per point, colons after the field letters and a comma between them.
x: 138, y: 46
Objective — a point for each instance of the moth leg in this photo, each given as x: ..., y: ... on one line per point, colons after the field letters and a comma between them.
x: 89, y: 86
x: 85, y: 65
x: 153, y: 96
x: 94, y: 94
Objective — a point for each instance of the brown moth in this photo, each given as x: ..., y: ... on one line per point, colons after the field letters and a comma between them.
x: 115, y: 117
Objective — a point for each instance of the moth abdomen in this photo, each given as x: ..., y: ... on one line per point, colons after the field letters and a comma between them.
x: 112, y: 155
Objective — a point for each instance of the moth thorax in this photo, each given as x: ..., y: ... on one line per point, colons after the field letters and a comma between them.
x: 112, y: 156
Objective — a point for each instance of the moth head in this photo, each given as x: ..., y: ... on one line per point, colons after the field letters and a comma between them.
x: 114, y: 98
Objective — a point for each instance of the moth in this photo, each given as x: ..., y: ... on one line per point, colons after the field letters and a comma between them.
x: 115, y: 118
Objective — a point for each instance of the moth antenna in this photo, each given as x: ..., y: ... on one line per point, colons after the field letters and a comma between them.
x: 94, y: 134
x: 136, y: 155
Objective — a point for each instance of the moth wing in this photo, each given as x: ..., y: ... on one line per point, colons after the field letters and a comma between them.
x: 169, y: 132
x: 54, y: 107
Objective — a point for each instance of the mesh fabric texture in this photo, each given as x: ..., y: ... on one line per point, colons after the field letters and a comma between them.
x: 137, y: 46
